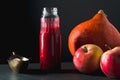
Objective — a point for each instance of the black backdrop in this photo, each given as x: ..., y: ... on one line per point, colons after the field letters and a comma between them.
x: 20, y: 23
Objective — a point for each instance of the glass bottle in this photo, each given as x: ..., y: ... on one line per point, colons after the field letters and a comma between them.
x: 50, y: 40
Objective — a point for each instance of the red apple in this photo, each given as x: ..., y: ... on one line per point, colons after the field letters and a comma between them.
x: 87, y: 58
x: 110, y: 63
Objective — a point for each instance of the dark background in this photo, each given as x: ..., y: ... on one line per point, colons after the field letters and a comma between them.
x: 20, y: 23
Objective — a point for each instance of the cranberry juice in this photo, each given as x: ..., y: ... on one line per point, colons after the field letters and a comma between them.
x: 50, y: 45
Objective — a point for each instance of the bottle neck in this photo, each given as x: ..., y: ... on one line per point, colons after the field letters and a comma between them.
x: 49, y: 20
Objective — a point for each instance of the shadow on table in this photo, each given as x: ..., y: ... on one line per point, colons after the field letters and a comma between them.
x: 63, y: 71
x: 97, y: 73
x: 39, y: 72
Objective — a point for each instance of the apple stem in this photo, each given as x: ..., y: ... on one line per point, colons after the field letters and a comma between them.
x: 108, y: 46
x: 85, y: 49
x: 13, y: 53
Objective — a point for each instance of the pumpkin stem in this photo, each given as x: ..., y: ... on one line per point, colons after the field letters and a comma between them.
x: 101, y: 12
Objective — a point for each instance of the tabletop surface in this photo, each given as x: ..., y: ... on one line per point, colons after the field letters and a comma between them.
x: 68, y: 72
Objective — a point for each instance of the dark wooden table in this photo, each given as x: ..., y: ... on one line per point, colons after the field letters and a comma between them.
x: 68, y: 72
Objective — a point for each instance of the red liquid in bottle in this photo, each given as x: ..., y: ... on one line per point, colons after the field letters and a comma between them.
x: 50, y: 44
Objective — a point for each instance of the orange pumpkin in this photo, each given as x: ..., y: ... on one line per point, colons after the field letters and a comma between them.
x: 97, y: 30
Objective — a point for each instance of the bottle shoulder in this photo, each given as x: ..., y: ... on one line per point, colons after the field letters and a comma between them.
x: 49, y: 16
